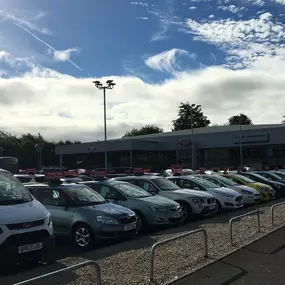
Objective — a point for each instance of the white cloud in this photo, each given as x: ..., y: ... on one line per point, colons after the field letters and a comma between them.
x: 36, y: 101
x: 63, y: 55
x: 245, y: 41
x: 231, y: 8
x: 167, y: 60
x: 3, y: 54
x: 23, y: 22
x: 142, y: 18
x: 192, y: 8
x: 280, y: 2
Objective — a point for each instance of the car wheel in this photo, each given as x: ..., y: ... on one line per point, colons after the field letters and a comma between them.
x: 82, y: 236
x: 219, y: 206
x: 141, y: 222
x: 186, y: 211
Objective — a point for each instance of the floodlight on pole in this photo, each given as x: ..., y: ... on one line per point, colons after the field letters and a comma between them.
x: 109, y: 85
x: 192, y: 136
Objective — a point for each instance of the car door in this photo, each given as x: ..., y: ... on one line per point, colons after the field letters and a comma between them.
x: 57, y: 204
x: 215, y: 181
x: 147, y: 186
x: 189, y: 184
x: 177, y: 181
x: 112, y: 195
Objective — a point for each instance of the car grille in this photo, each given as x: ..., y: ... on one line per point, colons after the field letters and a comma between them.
x: 210, y: 200
x: 26, y: 225
x: 238, y: 199
x: 27, y: 238
x: 128, y: 220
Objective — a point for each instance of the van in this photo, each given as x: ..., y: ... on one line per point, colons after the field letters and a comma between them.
x: 26, y: 230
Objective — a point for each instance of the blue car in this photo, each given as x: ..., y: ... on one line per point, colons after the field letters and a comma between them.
x: 271, y: 176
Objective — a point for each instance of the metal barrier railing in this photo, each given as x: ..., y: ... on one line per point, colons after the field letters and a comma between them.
x: 272, y: 211
x: 256, y: 212
x: 70, y: 268
x: 153, y: 248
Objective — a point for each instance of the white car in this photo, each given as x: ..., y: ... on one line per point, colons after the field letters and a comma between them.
x: 249, y: 195
x: 225, y: 197
x: 26, y: 230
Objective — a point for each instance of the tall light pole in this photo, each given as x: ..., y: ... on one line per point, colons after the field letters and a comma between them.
x: 192, y: 136
x: 109, y: 85
x: 240, y: 144
x: 39, y: 147
x: 1, y: 151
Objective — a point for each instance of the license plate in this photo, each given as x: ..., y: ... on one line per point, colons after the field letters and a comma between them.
x: 130, y: 227
x: 212, y: 207
x: 30, y: 247
x: 177, y: 215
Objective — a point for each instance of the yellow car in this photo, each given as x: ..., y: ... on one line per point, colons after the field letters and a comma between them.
x: 266, y: 192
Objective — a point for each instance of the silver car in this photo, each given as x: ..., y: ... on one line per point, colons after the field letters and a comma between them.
x: 249, y: 195
x: 193, y: 203
x: 151, y: 210
x: 82, y: 214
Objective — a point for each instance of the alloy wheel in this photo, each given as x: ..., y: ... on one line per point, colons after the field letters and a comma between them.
x: 82, y: 237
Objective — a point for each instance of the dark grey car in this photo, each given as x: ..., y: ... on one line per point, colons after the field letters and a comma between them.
x: 84, y: 215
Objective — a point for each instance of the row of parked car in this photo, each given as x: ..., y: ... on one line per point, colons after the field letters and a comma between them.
x: 85, y: 210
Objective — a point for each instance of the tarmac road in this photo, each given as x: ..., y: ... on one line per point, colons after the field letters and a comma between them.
x: 260, y: 263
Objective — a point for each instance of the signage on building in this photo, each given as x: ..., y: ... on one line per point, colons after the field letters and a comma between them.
x: 251, y: 138
x: 185, y: 142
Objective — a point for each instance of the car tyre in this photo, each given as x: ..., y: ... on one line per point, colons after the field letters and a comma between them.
x: 82, y: 236
x: 220, y: 209
x: 186, y: 211
x: 141, y: 222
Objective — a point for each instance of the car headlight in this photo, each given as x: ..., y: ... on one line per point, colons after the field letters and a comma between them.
x: 263, y: 189
x: 49, y: 222
x: 224, y: 194
x: 106, y: 220
x: 198, y: 200
x: 246, y: 192
x: 158, y: 209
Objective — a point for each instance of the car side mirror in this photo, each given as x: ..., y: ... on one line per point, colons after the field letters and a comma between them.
x: 111, y: 196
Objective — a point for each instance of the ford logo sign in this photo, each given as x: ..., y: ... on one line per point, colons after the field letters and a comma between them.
x: 185, y: 142
x: 27, y: 225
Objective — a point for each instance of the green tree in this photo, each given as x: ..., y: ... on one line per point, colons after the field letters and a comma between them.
x: 190, y: 116
x: 240, y: 119
x: 146, y: 130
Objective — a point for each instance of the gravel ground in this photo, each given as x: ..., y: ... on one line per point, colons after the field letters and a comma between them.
x: 128, y: 262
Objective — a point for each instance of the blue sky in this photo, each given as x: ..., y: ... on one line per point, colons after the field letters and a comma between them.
x: 149, y: 46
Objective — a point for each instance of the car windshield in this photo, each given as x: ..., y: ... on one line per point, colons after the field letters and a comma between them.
x: 205, y: 183
x: 83, y: 195
x: 277, y: 177
x: 280, y: 175
x: 131, y: 190
x: 12, y: 190
x: 165, y: 184
x: 227, y: 181
x: 259, y: 176
x: 244, y: 178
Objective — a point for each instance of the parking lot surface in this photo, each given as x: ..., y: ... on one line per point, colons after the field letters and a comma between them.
x: 260, y: 263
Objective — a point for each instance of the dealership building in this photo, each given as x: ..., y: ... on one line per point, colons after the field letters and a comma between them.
x: 219, y: 147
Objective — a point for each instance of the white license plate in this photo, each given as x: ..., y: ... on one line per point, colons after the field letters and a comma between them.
x: 212, y: 207
x: 130, y: 227
x: 177, y: 215
x: 30, y: 247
